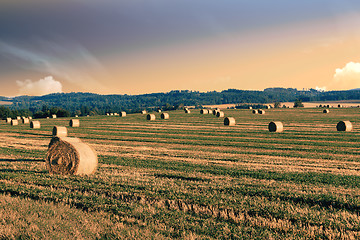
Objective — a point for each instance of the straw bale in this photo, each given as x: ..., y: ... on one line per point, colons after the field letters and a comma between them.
x: 25, y: 120
x: 276, y: 127
x: 165, y: 116
x: 76, y: 116
x: 14, y: 122
x: 255, y: 111
x: 59, y: 131
x: 70, y: 156
x: 143, y: 112
x: 260, y: 111
x: 159, y: 110
x: 122, y: 114
x: 326, y: 111
x: 204, y: 111
x: 74, y: 123
x: 150, y: 117
x: 187, y: 111
x: 30, y: 118
x: 18, y: 118
x: 250, y: 107
x: 8, y: 120
x: 215, y: 111
x: 344, y: 126
x: 35, y: 124
x: 229, y: 121
x: 220, y: 114
x: 53, y: 116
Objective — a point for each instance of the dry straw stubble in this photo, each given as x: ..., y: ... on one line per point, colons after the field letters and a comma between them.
x: 70, y: 156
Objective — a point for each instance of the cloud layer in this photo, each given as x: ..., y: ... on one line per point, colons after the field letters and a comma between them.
x: 41, y: 87
x: 347, y: 77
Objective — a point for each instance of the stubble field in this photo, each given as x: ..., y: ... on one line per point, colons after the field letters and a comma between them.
x: 188, y: 177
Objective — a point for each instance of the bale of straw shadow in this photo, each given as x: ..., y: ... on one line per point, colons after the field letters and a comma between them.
x: 344, y: 126
x: 74, y: 123
x: 165, y: 116
x: 59, y: 131
x: 229, y: 121
x: 35, y: 124
x: 276, y: 126
x: 150, y: 117
x: 70, y: 156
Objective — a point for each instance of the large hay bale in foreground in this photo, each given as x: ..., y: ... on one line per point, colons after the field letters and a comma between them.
x: 122, y: 114
x: 229, y: 121
x: 35, y: 124
x: 276, y: 127
x: 151, y: 117
x: 344, y: 126
x: 70, y: 156
x: 204, y: 111
x: 14, y: 122
x: 165, y: 116
x: 25, y: 120
x: 74, y: 123
x: 326, y: 111
x: 59, y: 131
x: 220, y: 114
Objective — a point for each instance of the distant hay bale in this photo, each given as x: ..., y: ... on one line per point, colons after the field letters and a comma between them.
x: 59, y: 131
x: 70, y: 156
x: 30, y: 118
x: 107, y: 114
x: 220, y: 114
x: 25, y: 120
x: 143, y: 112
x: 326, y: 111
x: 250, y: 107
x: 111, y: 114
x: 255, y: 111
x: 164, y: 116
x: 229, y: 121
x: 187, y: 111
x: 260, y: 111
x: 122, y: 114
x: 150, y: 117
x: 204, y: 111
x: 18, y: 118
x: 47, y: 117
x: 14, y: 122
x: 339, y: 106
x: 159, y: 110
x: 35, y: 124
x: 53, y: 116
x: 276, y: 127
x: 215, y: 111
x: 267, y: 107
x: 8, y: 120
x: 76, y: 116
x: 344, y: 126
x: 74, y: 123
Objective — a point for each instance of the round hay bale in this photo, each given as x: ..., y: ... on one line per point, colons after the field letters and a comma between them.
x: 74, y: 123
x: 339, y: 106
x: 260, y: 111
x: 143, y: 112
x: 326, y: 111
x: 276, y: 127
x: 30, y: 118
x: 267, y: 107
x: 164, y: 116
x: 35, y: 124
x: 70, y: 156
x: 220, y: 114
x: 59, y: 131
x: 25, y: 120
x: 159, y: 110
x: 53, y: 116
x: 18, y: 118
x: 215, y: 111
x: 122, y: 114
x: 229, y: 121
x: 344, y: 126
x: 8, y: 120
x: 187, y: 111
x: 204, y: 111
x: 111, y: 114
x: 255, y: 111
x: 14, y: 122
x: 150, y: 117
x: 107, y: 114
x: 250, y: 107
x: 76, y: 116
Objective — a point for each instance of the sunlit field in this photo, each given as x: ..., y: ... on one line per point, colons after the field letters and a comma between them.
x: 188, y: 177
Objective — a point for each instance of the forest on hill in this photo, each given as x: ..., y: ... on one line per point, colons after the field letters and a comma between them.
x: 70, y: 104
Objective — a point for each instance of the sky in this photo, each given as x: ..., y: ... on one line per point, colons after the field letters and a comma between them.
x: 148, y: 46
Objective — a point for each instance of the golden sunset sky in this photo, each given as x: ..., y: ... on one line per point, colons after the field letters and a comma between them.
x: 146, y: 46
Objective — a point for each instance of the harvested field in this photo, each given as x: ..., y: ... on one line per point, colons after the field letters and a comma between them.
x: 188, y: 177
